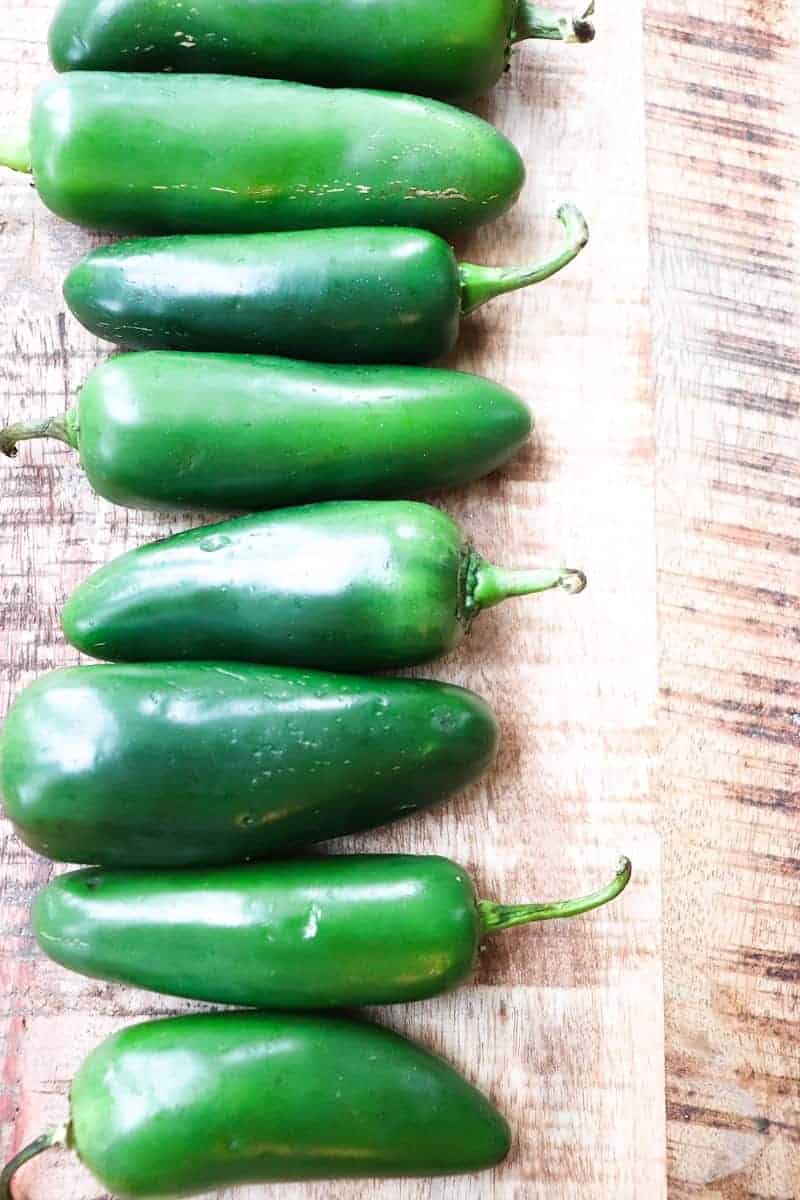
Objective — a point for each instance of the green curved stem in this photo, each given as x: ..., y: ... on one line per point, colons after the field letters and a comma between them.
x: 15, y: 152
x: 46, y: 1141
x: 496, y: 917
x: 61, y: 428
x: 534, y: 21
x: 491, y: 585
x: 481, y: 284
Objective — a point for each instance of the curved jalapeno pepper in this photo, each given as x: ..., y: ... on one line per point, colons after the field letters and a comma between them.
x: 192, y: 1104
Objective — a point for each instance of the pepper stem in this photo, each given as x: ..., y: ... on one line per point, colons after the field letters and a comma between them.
x: 534, y: 21
x: 62, y: 428
x: 15, y: 152
x: 480, y: 284
x: 496, y: 917
x: 491, y: 585
x: 56, y: 1137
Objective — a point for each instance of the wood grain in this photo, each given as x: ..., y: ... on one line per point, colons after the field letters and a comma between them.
x: 563, y: 1024
x: 723, y: 104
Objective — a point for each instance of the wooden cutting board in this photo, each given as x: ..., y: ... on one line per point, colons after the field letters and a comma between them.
x: 723, y: 111
x: 564, y: 1024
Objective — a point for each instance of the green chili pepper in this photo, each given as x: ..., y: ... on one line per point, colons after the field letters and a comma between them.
x: 454, y: 50
x: 170, y: 430
x: 193, y: 1104
x: 337, y: 295
x: 312, y: 933
x: 353, y: 586
x: 219, y: 154
x: 181, y: 763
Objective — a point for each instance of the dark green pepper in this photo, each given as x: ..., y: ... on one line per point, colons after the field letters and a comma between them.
x: 312, y: 933
x: 193, y: 1104
x: 219, y: 154
x: 353, y: 585
x: 337, y: 295
x: 169, y: 430
x: 454, y: 50
x: 181, y: 763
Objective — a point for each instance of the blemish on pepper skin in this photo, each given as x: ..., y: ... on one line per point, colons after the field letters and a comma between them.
x: 214, y: 542
x: 444, y: 721
x: 63, y: 943
x: 231, y: 674
x: 451, y: 193
x: 312, y: 924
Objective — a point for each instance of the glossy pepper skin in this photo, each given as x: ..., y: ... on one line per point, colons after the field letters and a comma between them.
x: 454, y: 50
x: 180, y: 763
x: 349, y: 585
x: 174, y: 431
x: 306, y: 934
x: 194, y: 1104
x: 147, y: 154
x: 336, y: 295
x: 310, y: 933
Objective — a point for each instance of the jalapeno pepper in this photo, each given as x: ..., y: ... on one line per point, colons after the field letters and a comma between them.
x: 190, y: 1104
x: 169, y: 430
x: 354, y: 586
x: 220, y: 154
x: 336, y: 295
x: 314, y: 933
x: 180, y: 763
x: 453, y: 50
